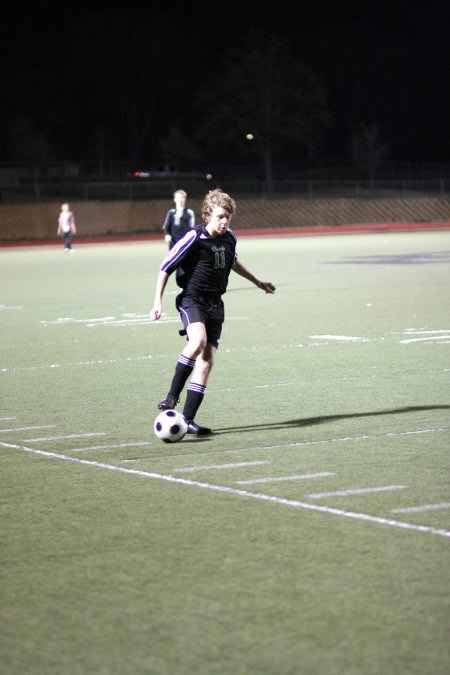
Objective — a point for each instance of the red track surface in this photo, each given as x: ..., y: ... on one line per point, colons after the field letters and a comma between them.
x: 261, y: 232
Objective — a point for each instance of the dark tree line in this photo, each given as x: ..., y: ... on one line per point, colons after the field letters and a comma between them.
x: 139, y: 88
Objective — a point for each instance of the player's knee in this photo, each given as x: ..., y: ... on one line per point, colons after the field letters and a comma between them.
x: 198, y: 344
x: 197, y: 339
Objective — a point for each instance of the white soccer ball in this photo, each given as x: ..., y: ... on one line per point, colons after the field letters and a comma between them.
x: 170, y: 426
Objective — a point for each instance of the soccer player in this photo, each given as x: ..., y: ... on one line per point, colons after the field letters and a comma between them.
x: 66, y: 226
x: 178, y: 220
x: 203, y: 260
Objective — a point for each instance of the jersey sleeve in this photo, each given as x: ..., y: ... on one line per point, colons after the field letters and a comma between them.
x: 177, y: 254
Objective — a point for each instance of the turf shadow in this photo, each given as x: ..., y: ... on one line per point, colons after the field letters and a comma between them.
x: 323, y: 419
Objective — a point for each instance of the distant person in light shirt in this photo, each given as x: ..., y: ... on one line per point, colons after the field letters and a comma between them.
x: 66, y: 226
x: 178, y: 220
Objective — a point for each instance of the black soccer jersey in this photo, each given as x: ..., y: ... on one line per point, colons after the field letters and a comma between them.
x: 177, y: 228
x: 202, y: 262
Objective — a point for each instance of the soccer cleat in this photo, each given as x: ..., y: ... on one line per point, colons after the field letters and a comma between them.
x: 168, y: 403
x: 196, y: 429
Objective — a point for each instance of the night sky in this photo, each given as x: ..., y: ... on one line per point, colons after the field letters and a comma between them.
x: 73, y: 69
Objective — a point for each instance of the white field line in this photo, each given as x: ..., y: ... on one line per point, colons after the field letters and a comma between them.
x: 365, y: 517
x: 424, y: 507
x: 287, y: 445
x: 434, y: 338
x: 63, y: 438
x: 416, y: 331
x: 39, y: 426
x: 356, y: 491
x: 147, y: 321
x: 357, y: 438
x: 103, y: 362
x: 110, y: 446
x: 350, y: 338
x: 129, y: 319
x: 97, y: 362
x: 327, y: 440
x: 7, y: 419
x: 207, y: 467
x: 131, y: 322
x: 280, y: 479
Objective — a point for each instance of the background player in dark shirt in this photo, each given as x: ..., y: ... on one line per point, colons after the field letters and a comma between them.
x: 179, y: 220
x: 203, y: 260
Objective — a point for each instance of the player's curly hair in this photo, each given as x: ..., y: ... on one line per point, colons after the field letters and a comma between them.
x: 217, y: 198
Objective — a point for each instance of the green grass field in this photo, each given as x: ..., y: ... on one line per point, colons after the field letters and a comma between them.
x: 310, y: 535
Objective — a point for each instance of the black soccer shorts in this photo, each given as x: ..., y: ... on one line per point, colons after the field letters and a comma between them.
x: 209, y: 311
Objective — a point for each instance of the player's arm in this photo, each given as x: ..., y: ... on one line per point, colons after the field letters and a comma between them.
x: 240, y: 269
x: 166, y: 228
x: 170, y: 263
x: 161, y: 283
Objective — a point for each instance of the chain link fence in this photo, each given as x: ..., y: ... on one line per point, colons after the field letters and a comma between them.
x: 162, y: 189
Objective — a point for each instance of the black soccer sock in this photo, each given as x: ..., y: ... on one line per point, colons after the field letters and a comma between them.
x: 194, y: 398
x: 183, y: 369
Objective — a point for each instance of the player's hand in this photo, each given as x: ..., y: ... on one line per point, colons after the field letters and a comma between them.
x: 267, y: 287
x: 167, y: 238
x: 155, y: 312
